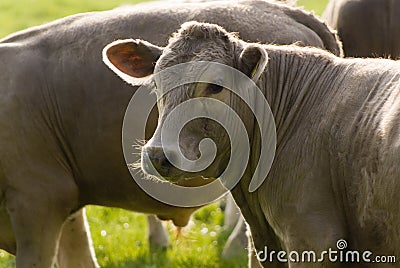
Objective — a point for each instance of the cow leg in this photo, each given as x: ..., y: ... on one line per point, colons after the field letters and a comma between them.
x: 75, y: 248
x: 326, y: 230
x: 158, y: 235
x: 232, y: 212
x: 38, y: 210
x: 253, y: 260
x: 237, y: 241
x: 37, y: 231
x: 7, y: 239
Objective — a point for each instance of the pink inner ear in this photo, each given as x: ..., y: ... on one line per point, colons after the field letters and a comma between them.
x: 130, y: 58
x: 134, y: 58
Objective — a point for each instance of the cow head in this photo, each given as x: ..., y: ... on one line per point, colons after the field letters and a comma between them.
x: 182, y: 148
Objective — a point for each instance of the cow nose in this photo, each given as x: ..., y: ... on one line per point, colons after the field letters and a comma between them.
x: 159, y: 161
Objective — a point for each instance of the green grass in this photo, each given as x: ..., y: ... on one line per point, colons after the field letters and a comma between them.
x: 317, y: 6
x: 124, y: 242
x: 19, y: 14
x: 120, y: 240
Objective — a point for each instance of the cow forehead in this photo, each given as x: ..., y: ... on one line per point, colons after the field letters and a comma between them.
x: 182, y: 50
x: 208, y: 52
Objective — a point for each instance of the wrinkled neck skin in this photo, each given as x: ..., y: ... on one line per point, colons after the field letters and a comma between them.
x: 294, y: 92
x: 294, y: 84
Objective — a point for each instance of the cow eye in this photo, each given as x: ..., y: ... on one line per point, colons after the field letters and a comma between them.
x: 214, y: 89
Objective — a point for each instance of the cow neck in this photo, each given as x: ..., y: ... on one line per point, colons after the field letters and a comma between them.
x: 294, y: 84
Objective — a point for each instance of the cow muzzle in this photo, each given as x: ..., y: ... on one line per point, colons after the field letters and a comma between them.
x: 155, y: 162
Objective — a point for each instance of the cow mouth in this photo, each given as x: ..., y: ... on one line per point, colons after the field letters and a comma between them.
x: 194, y: 181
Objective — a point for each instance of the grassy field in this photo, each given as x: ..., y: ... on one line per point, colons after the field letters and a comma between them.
x: 120, y: 240
x: 317, y: 6
x: 120, y: 236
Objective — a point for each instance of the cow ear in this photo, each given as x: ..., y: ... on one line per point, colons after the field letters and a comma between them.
x: 252, y: 61
x: 135, y: 58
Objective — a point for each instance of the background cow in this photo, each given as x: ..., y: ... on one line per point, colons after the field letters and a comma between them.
x: 61, y: 116
x: 367, y: 28
x: 333, y: 184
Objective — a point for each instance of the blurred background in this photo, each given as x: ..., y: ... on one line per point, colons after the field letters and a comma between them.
x: 120, y: 237
x: 16, y: 15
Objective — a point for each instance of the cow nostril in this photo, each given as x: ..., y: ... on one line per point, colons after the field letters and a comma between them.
x: 164, y: 163
x: 159, y: 160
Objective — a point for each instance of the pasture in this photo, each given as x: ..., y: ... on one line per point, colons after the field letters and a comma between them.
x: 119, y: 236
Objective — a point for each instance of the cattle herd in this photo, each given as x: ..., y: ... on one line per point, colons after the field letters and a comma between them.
x: 323, y: 179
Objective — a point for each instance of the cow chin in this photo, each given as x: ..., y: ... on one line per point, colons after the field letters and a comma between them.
x: 187, y: 180
x: 178, y: 222
x: 180, y: 219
